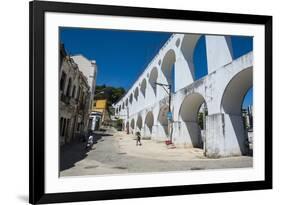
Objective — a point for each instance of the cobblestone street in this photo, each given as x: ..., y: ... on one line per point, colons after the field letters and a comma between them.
x: 116, y: 152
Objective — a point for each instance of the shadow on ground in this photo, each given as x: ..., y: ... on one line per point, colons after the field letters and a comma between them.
x: 76, y: 151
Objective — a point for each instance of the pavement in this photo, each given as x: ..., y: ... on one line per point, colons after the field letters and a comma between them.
x: 116, y: 152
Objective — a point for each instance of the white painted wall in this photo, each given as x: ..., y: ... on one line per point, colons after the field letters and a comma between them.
x: 89, y: 69
x: 216, y: 90
x: 219, y: 51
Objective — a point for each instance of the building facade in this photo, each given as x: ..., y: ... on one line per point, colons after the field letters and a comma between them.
x: 75, y: 95
x: 101, y: 107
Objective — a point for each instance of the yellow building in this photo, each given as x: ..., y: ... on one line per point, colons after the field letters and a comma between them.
x: 101, y: 106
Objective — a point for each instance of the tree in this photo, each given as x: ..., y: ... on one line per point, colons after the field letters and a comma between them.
x: 111, y: 94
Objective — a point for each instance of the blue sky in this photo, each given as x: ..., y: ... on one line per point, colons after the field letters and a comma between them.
x: 123, y: 55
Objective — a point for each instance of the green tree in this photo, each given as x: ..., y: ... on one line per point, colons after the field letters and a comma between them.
x: 111, y: 94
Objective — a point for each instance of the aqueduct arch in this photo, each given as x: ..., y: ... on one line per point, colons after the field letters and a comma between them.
x: 133, y: 124
x: 153, y: 79
x: 235, y: 91
x: 127, y: 102
x: 127, y: 127
x: 131, y: 98
x: 143, y: 87
x: 231, y: 106
x: 149, y: 120
x: 162, y: 119
x: 136, y: 93
x: 168, y: 66
x: 223, y: 88
x: 189, y: 114
x: 188, y: 45
x: 139, y: 122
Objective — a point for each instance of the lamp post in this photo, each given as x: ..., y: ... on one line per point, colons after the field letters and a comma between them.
x: 167, y: 88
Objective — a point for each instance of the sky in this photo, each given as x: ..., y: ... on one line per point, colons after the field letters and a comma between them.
x: 122, y: 56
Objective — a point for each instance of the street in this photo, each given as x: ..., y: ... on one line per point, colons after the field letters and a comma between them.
x: 116, y: 152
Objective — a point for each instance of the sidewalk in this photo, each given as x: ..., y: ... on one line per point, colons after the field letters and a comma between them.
x: 151, y: 149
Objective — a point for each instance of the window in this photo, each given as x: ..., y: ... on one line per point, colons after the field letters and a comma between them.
x: 62, y: 80
x: 61, y: 126
x: 68, y: 87
x: 78, y: 94
x: 73, y: 91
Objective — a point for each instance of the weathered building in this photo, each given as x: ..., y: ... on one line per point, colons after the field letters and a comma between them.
x: 75, y: 100
x: 147, y: 107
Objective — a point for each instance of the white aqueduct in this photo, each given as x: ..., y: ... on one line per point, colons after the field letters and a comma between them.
x: 144, y: 107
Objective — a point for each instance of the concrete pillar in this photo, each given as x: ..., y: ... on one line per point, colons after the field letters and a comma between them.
x: 225, y: 136
x: 219, y: 51
x: 183, y: 73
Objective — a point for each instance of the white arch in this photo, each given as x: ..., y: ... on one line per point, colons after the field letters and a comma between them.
x: 153, y: 76
x: 139, y: 122
x: 131, y: 98
x: 162, y: 119
x: 235, y: 91
x: 127, y: 127
x: 149, y: 120
x: 189, y: 114
x: 188, y: 45
x: 231, y: 105
x: 167, y: 65
x: 132, y: 124
x: 143, y: 87
x: 136, y: 93
x: 127, y: 102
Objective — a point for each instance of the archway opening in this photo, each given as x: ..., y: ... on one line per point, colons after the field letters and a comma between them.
x: 234, y: 95
x: 200, y: 59
x: 143, y: 87
x: 131, y: 98
x: 153, y: 79
x: 189, y: 48
x: 149, y: 119
x: 136, y: 93
x: 133, y: 124
x: 127, y: 102
x: 168, y: 68
x: 241, y: 45
x: 127, y: 127
x: 193, y: 113
x: 162, y: 119
x: 139, y: 123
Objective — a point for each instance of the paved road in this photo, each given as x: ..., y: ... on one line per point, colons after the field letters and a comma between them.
x: 116, y: 153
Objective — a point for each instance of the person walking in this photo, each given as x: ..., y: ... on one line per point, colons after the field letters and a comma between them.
x: 138, y: 138
x: 90, y: 141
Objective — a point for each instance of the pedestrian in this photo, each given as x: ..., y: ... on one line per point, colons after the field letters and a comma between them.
x: 90, y: 141
x: 138, y: 138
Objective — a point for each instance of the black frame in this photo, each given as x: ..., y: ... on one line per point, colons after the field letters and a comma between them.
x: 37, y: 193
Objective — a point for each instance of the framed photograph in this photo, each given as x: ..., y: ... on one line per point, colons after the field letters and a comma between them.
x: 130, y: 102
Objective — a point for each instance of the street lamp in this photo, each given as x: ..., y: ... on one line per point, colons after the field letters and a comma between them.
x: 167, y: 88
